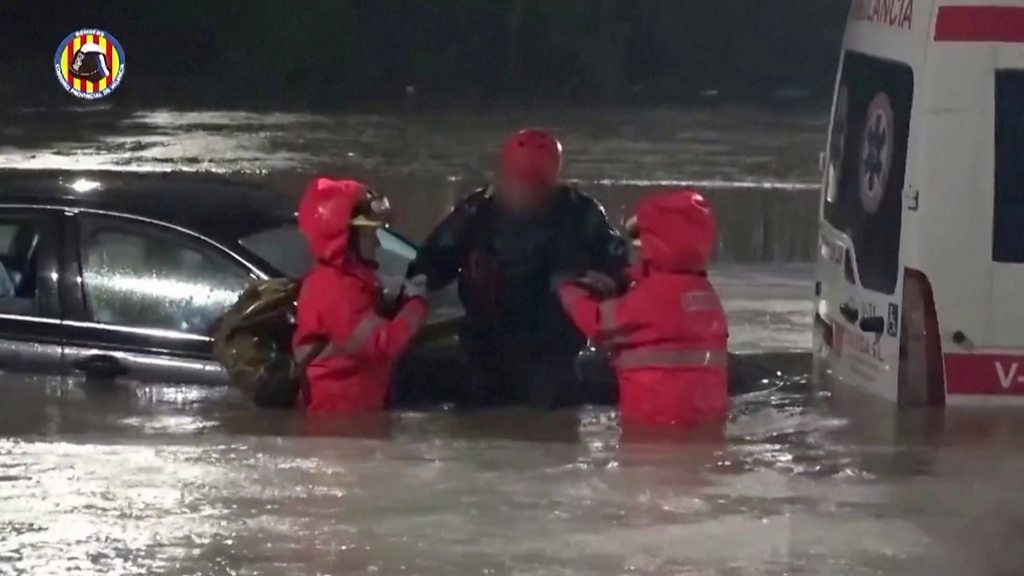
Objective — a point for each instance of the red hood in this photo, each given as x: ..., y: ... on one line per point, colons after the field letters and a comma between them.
x: 324, y: 215
x: 677, y: 231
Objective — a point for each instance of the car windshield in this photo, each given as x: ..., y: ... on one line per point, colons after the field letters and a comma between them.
x: 283, y: 247
x: 286, y: 250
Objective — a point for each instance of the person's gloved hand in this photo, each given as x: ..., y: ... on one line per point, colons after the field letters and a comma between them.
x: 558, y: 279
x: 412, y: 270
x: 415, y: 287
x: 597, y: 284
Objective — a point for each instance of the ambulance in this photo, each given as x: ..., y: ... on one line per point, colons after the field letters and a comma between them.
x: 920, y: 276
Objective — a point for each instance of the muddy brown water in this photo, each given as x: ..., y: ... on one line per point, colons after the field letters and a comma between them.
x: 804, y: 479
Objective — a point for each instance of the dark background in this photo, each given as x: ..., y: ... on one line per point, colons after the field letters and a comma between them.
x: 457, y: 53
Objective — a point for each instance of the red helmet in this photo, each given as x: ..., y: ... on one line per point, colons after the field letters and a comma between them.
x: 531, y: 159
x: 373, y: 210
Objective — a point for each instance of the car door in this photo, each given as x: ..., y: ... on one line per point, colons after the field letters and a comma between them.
x: 147, y: 296
x: 29, y: 309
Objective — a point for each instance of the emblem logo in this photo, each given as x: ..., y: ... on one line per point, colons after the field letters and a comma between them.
x: 877, y: 152
x: 89, y: 63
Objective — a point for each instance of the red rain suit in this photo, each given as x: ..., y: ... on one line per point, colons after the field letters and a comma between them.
x: 339, y: 301
x: 668, y: 333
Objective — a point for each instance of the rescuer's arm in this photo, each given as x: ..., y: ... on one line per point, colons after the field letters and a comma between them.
x: 608, y: 253
x: 599, y: 321
x: 442, y: 254
x: 582, y: 309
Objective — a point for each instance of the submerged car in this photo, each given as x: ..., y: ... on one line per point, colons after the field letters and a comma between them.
x: 120, y: 276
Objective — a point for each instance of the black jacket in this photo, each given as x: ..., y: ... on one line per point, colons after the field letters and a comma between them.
x: 506, y: 265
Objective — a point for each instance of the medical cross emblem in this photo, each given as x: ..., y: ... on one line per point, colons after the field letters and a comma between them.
x: 876, y: 154
x: 875, y: 141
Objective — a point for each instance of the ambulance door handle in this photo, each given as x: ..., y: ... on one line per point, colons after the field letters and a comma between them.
x: 873, y: 324
x: 849, y: 312
x: 962, y: 340
x: 913, y: 199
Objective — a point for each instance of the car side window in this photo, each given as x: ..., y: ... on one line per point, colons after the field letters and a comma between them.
x: 20, y: 236
x: 285, y: 249
x: 144, y: 276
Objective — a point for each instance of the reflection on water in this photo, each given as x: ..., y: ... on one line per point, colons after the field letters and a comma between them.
x: 149, y: 479
x: 181, y: 480
x: 758, y: 166
x: 722, y: 147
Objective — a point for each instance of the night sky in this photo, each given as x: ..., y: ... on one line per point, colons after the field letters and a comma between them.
x: 466, y: 53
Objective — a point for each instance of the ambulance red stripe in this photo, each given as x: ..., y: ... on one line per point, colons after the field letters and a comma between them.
x: 980, y: 24
x: 985, y: 374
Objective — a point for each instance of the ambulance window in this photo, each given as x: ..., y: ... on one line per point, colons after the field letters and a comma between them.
x: 1008, y: 221
x: 868, y: 159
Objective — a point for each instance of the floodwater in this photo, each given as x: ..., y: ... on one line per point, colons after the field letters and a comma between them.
x: 804, y: 479
x: 426, y: 162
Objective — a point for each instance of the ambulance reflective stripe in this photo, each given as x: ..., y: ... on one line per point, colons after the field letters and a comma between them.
x: 658, y: 357
x: 987, y: 374
x: 980, y: 24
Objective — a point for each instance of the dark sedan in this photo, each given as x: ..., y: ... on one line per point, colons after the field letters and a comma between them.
x: 110, y: 276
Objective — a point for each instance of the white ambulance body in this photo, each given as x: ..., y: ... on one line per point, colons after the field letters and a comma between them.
x: 920, y: 278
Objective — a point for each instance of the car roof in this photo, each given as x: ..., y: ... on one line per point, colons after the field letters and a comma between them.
x: 212, y: 205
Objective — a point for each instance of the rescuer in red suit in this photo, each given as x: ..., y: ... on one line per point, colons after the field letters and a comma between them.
x: 668, y: 333
x: 508, y: 244
x: 341, y: 299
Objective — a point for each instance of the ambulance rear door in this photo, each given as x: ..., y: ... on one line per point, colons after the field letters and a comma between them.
x: 975, y: 129
x: 972, y: 195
